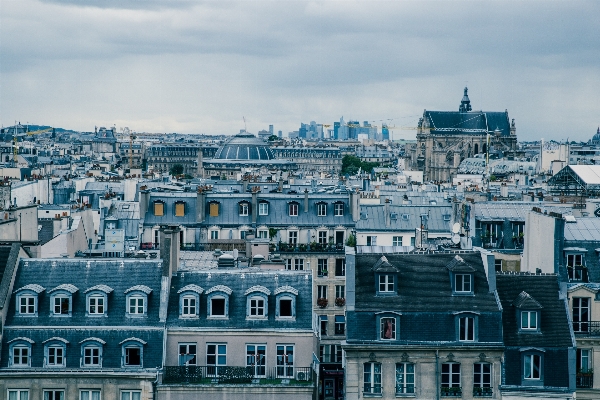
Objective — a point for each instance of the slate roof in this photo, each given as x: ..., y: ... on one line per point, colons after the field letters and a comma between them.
x: 498, y: 211
x: 240, y: 281
x: 583, y: 229
x: 474, y: 122
x: 554, y: 324
x: 408, y: 218
x: 423, y: 284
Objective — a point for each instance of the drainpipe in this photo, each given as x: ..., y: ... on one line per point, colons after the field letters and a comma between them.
x: 437, y: 375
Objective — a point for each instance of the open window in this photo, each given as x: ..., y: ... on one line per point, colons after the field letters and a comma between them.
x: 387, y: 325
x: 189, y: 301
x: 576, y: 266
x: 467, y: 325
x: 533, y: 361
x: 217, y: 298
x: 285, y: 297
x: 132, y: 352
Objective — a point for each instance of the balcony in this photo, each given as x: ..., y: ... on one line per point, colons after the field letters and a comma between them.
x: 588, y: 328
x: 238, y: 375
x: 451, y: 391
x: 584, y: 380
x: 310, y: 247
x: 482, y: 391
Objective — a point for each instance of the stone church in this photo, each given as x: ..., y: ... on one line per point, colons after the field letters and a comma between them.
x: 445, y: 138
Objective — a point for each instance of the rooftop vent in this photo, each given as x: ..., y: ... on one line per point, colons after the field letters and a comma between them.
x: 226, y: 261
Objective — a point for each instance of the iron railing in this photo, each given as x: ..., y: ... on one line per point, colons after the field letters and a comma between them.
x: 237, y: 375
x: 455, y: 391
x: 584, y: 381
x: 479, y: 391
x: 588, y: 328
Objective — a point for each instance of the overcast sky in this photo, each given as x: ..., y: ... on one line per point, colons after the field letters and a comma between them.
x: 199, y: 67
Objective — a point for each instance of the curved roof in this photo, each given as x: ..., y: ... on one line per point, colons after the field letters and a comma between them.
x: 244, y: 146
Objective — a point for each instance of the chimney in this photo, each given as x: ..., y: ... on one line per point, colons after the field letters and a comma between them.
x: 144, y: 200
x: 200, y: 205
x: 280, y: 185
x: 254, y: 209
x: 354, y: 205
x: 169, y: 249
x: 305, y: 200
x: 244, y: 185
x: 388, y: 221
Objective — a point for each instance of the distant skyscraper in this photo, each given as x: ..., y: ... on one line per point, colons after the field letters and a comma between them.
x: 280, y: 134
x: 271, y: 130
x: 336, y: 129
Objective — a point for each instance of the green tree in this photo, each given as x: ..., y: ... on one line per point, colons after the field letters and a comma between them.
x: 351, y: 165
x: 176, y: 169
x: 273, y: 138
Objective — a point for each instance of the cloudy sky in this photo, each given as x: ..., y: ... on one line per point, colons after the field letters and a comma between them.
x: 199, y: 67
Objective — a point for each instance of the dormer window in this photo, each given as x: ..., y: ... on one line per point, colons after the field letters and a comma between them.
x: 387, y: 325
x: 386, y: 283
x: 55, y: 352
x: 338, y: 209
x: 386, y: 277
x: 257, y: 303
x: 467, y: 326
x: 137, y: 300
x: 61, y: 297
x: 97, y: 300
x: 285, y: 297
x: 189, y: 301
x: 218, y: 301
x: 576, y: 268
x: 244, y: 208
x: 91, y: 352
x: 213, y: 209
x: 159, y: 208
x: 321, y: 209
x: 27, y: 300
x: 462, y: 283
x: 20, y: 352
x: 263, y: 208
x: 528, y: 313
x: 179, y: 209
x: 529, y: 320
x: 293, y: 209
x: 132, y: 352
x: 461, y: 276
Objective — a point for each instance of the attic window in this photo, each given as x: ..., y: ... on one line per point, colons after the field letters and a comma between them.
x: 446, y: 217
x: 405, y: 217
x: 394, y: 216
x: 159, y: 208
x: 179, y: 209
x: 213, y: 208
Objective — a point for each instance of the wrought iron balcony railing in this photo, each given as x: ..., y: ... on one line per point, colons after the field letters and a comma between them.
x: 237, y: 375
x: 584, y: 381
x: 588, y: 328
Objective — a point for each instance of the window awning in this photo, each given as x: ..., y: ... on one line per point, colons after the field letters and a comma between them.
x: 340, y: 318
x: 323, y: 317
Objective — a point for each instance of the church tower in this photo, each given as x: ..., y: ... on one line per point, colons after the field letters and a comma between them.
x: 465, y: 104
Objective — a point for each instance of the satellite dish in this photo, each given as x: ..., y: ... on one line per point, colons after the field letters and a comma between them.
x: 455, y: 239
x: 456, y: 228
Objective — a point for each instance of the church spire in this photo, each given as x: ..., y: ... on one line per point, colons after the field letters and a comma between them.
x: 465, y: 104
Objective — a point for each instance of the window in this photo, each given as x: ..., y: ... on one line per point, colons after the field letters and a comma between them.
x: 396, y: 240
x: 532, y: 366
x: 581, y: 314
x: 61, y: 305
x: 263, y: 208
x: 293, y: 209
x: 330, y: 353
x: 159, y: 208
x: 340, y: 291
x: 576, y: 267
x: 387, y: 328
x: 131, y: 395
x: 321, y: 209
x: 293, y: 237
x: 257, y: 306
x: 92, y: 356
x: 89, y: 395
x: 27, y: 304
x: 55, y: 356
x: 322, y: 291
x: 214, y: 235
x: 462, y: 283
x: 216, y: 356
x: 179, y: 209
x: 299, y: 264
x: 450, y: 375
x: 54, y: 395
x: 529, y: 320
x: 136, y: 305
x: 322, y: 237
x: 340, y: 325
x: 325, y: 353
x: 386, y: 283
x: 466, y: 329
x: 21, y: 355
x: 321, y: 267
x: 243, y: 209
x: 18, y: 394
x: 405, y: 378
x: 324, y: 323
x: 371, y: 240
x: 340, y: 267
x: 263, y: 234
x: 372, y: 378
x: 285, y: 307
x: 498, y: 265
x: 285, y: 361
x: 584, y: 361
x: 188, y: 306
x: 187, y: 353
x: 338, y: 209
x: 482, y: 375
x: 132, y: 356
x: 217, y: 307
x: 96, y: 305
x: 213, y: 209
x: 256, y: 359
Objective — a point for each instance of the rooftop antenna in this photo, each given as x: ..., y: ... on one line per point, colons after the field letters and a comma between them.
x: 244, y: 118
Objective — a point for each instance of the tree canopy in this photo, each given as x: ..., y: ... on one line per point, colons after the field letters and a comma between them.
x: 351, y: 165
x: 176, y: 169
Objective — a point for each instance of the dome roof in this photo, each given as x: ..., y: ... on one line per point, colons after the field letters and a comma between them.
x: 596, y: 138
x: 244, y: 146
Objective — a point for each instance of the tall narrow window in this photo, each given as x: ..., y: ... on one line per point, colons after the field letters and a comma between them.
x: 179, y: 209
x: 482, y: 377
x: 340, y: 267
x: 533, y: 366
x: 243, y: 209
x: 187, y: 354
x: 263, y: 208
x: 372, y: 378
x: 213, y: 209
x: 321, y: 267
x: 293, y: 237
x: 405, y: 378
x: 285, y: 361
x: 293, y: 209
x: 216, y: 356
x: 450, y: 375
x: 581, y: 314
x: 340, y: 325
x: 387, y: 328
x: 256, y: 359
x: 340, y: 291
x: 321, y: 209
x: 159, y: 208
x: 466, y: 329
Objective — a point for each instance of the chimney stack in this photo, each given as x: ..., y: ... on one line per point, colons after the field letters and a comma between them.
x: 388, y: 220
x: 169, y: 249
x: 305, y: 200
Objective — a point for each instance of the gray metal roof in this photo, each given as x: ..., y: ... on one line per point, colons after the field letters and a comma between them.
x: 583, y: 229
x: 407, y: 218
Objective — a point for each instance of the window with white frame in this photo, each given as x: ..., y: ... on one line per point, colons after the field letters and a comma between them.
x: 257, y: 305
x: 405, y: 378
x: 293, y: 209
x: 466, y: 328
x: 214, y: 235
x: 576, y: 267
x: 285, y: 361
x: 91, y: 355
x: 396, y: 240
x: 322, y: 291
x: 532, y: 367
x: 285, y: 306
x: 584, y: 360
x: 55, y: 355
x: 256, y: 359
x: 462, y: 283
x: 321, y: 267
x: 340, y: 291
x: 216, y: 356
x: 243, y: 209
x: 21, y: 354
x: 54, y: 395
x: 581, y: 314
x: 387, y: 283
x: 322, y: 238
x: 338, y: 209
x: 189, y: 305
x: 96, y: 304
x: 262, y: 234
x: 371, y: 240
x: 372, y: 378
x: 482, y: 375
x: 293, y: 237
x: 187, y: 353
x: 132, y: 355
x: 93, y: 394
x: 131, y: 395
x: 450, y: 375
x: 340, y: 267
x: 529, y: 320
x: 136, y: 304
x: 387, y: 328
x: 27, y: 304
x: 18, y: 394
x: 321, y: 209
x: 263, y: 208
x: 61, y: 304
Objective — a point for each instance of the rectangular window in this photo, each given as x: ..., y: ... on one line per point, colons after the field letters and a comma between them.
x: 575, y: 264
x: 217, y: 307
x: 387, y: 329
x: 18, y: 394
x: 263, y: 234
x: 371, y: 240
x: 61, y: 305
x: 27, y: 305
x: 285, y: 308
x: 257, y: 307
x: 322, y: 291
x: 216, y: 356
x: 321, y: 209
x: 386, y: 283
x: 214, y: 235
x: 340, y: 267
x: 581, y: 314
x: 179, y: 209
x: 322, y: 267
x: 189, y: 306
x: 293, y: 209
x: 482, y: 375
x: 91, y: 356
x: 462, y: 283
x: 498, y: 265
x: 405, y: 378
x: 529, y: 320
x: 372, y: 378
x: 213, y: 209
x: 466, y: 329
x: 96, y: 305
x: 584, y: 361
x: 136, y: 305
x: 243, y: 208
x: 55, y: 356
x: 323, y: 237
x: 340, y: 325
x: 20, y: 356
x: 324, y: 324
x: 289, y: 264
x: 263, y: 208
x: 325, y: 353
x: 54, y: 395
x: 338, y: 209
x: 340, y: 291
x: 450, y: 375
x: 131, y: 395
x: 299, y: 264
x: 89, y: 395
x: 159, y: 209
x: 133, y: 356
x: 285, y: 361
x: 187, y: 354
x: 533, y: 366
x: 293, y: 237
x: 256, y: 359
x: 396, y: 240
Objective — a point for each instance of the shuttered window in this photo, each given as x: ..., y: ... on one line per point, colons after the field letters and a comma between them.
x: 179, y: 209
x: 159, y: 209
x: 214, y: 209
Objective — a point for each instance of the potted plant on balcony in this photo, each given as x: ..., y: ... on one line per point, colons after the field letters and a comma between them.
x: 322, y: 302
x: 340, y: 301
x: 302, y: 247
x: 445, y: 391
x: 477, y: 391
x: 487, y: 392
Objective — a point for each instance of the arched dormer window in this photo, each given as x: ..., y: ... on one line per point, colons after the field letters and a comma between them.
x: 388, y: 325
x: 461, y: 276
x: 159, y: 208
x: 55, y: 351
x: 244, y: 208
x: 285, y: 306
x: 189, y: 301
x: 20, y: 352
x: 137, y: 300
x: 132, y: 355
x: 61, y: 300
x: 257, y: 302
x: 91, y: 352
x: 386, y: 278
x: 96, y: 300
x: 217, y: 299
x: 27, y: 300
x: 467, y: 326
